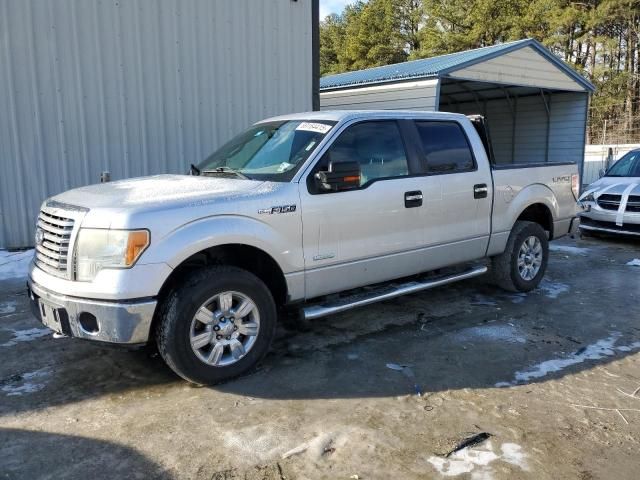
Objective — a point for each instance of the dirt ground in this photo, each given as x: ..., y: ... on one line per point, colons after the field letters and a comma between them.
x: 380, y: 392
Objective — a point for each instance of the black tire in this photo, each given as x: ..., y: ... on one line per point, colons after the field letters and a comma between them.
x: 180, y: 306
x: 504, y: 267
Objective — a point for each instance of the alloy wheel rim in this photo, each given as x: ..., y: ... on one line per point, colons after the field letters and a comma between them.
x: 224, y: 328
x: 530, y: 258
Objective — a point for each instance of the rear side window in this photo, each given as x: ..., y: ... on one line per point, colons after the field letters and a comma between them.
x: 445, y: 147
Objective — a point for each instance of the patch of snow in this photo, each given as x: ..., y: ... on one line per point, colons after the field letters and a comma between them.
x: 568, y: 249
x: 512, y: 453
x: 405, y: 369
x: 26, y: 336
x: 553, y: 289
x: 7, y: 307
x: 495, y: 333
x: 596, y: 351
x: 517, y: 297
x: 14, y: 264
x: 634, y: 263
x: 482, y: 300
x: 477, y: 460
x: 255, y: 443
x: 25, y: 383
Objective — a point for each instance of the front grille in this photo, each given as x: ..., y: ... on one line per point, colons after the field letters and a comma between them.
x: 52, y: 251
x: 633, y: 204
x: 609, y: 202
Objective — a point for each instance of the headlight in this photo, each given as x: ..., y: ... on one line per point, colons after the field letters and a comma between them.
x: 97, y: 249
x: 587, y: 198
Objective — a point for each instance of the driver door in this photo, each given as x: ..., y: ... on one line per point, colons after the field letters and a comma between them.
x: 369, y: 233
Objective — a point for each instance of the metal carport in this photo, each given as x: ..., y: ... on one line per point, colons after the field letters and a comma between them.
x: 535, y: 104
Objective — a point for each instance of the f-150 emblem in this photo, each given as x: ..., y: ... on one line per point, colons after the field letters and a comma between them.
x: 280, y: 209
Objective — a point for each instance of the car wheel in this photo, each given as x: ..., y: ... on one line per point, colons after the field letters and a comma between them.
x: 217, y: 325
x: 523, y: 264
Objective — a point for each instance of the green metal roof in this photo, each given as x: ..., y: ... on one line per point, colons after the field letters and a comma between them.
x: 440, y: 66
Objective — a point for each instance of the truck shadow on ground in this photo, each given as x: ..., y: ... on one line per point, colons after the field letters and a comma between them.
x: 53, y: 455
x: 468, y: 335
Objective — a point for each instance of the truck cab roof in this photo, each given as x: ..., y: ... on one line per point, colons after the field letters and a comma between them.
x: 344, y: 115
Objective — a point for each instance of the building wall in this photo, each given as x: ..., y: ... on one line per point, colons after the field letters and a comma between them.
x: 566, y: 129
x: 135, y: 88
x: 416, y: 95
x: 524, y: 66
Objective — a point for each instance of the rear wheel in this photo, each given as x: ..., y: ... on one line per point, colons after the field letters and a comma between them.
x: 522, y: 265
x: 216, y: 325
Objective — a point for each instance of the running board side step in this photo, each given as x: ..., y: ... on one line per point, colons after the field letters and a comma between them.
x: 385, y: 293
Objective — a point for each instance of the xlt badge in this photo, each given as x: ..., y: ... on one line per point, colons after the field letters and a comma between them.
x: 280, y: 209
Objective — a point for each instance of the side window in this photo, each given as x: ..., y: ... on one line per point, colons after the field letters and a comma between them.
x: 376, y: 146
x: 445, y: 147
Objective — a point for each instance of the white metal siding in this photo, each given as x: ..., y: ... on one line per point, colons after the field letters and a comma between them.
x: 136, y: 87
x: 419, y: 95
x: 525, y: 67
x: 566, y: 132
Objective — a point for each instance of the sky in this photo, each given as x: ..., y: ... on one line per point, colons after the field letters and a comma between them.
x: 332, y: 6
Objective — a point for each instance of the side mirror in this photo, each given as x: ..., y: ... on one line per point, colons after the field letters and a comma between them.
x: 340, y: 176
x: 601, y: 173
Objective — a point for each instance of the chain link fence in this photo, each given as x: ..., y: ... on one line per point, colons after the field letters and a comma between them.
x: 612, y: 131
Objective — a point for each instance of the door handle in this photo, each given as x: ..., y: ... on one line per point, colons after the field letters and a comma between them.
x: 480, y: 190
x: 413, y: 199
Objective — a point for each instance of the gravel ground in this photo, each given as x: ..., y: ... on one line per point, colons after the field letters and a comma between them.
x: 380, y: 392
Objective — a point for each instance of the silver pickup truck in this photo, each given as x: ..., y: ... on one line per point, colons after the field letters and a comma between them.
x: 292, y: 210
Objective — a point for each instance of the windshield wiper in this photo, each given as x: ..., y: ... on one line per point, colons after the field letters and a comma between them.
x: 225, y: 170
x: 193, y: 170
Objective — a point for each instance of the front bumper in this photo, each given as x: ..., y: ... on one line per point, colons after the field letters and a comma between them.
x: 126, y: 322
x: 591, y: 225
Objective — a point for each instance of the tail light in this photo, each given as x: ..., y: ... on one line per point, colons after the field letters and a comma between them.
x: 575, y: 185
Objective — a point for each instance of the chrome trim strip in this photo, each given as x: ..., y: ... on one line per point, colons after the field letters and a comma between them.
x: 316, y: 311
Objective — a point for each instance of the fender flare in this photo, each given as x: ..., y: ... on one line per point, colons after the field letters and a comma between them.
x: 536, y: 193
x: 202, y: 234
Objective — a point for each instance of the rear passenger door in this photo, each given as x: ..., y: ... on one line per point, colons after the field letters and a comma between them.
x: 459, y: 193
x: 369, y: 233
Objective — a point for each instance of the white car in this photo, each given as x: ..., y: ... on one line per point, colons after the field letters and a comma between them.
x: 612, y: 204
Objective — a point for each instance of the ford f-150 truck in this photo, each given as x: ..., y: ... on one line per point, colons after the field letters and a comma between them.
x: 299, y: 211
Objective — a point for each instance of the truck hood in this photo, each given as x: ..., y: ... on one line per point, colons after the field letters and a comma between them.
x: 148, y: 192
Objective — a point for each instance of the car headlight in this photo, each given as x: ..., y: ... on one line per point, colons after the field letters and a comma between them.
x: 587, y: 198
x: 100, y: 248
x: 585, y: 201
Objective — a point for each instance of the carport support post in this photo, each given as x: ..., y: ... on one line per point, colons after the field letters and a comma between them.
x: 547, y: 107
x: 513, y: 106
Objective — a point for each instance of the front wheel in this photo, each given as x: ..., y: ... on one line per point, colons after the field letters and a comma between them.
x: 523, y: 264
x: 216, y: 325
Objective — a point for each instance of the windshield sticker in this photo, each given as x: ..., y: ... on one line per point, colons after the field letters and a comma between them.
x: 284, y: 166
x: 314, y: 127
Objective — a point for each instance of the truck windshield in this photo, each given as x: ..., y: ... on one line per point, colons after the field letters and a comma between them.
x: 627, y: 166
x: 268, y: 151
